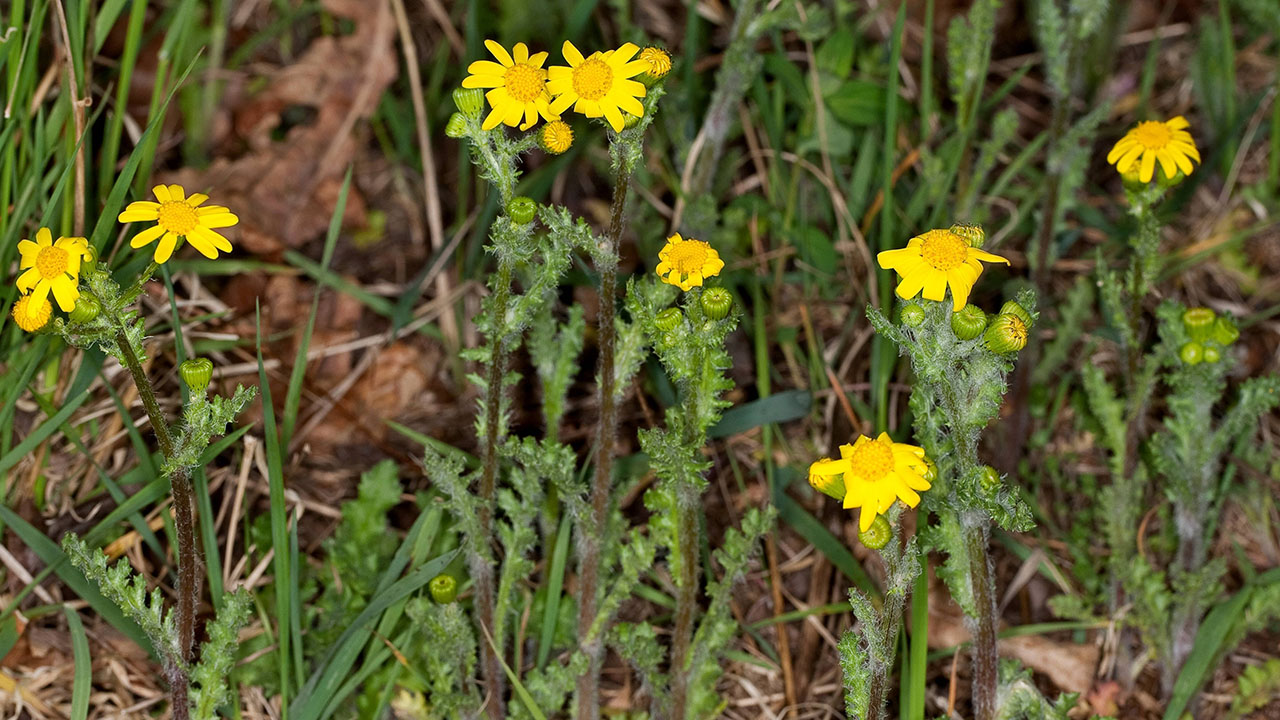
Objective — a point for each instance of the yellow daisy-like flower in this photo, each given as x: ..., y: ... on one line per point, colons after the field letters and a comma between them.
x: 600, y: 85
x: 686, y: 263
x: 519, y: 86
x: 1167, y: 142
x: 178, y: 216
x: 933, y: 261
x: 556, y: 137
x: 871, y: 474
x: 51, y: 267
x: 659, y: 61
x: 31, y: 315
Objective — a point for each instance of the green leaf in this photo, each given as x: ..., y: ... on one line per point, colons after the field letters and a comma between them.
x: 775, y: 409
x: 82, y: 683
x: 858, y: 103
x: 1204, y: 653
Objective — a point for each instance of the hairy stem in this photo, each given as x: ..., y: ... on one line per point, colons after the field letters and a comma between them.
x: 482, y: 563
x: 588, y: 682
x: 985, y: 654
x: 687, y: 543
x: 184, y: 522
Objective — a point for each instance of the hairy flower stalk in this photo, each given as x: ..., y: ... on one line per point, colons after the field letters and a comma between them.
x: 625, y: 148
x: 188, y: 590
x: 687, y: 542
x: 482, y: 565
x: 588, y: 683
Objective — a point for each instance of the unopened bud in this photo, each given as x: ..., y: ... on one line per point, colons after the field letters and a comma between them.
x: 969, y: 322
x: 443, y: 588
x: 469, y: 101
x: 196, y: 373
x: 878, y: 535
x: 716, y: 303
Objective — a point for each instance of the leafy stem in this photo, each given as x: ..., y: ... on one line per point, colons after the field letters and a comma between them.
x: 184, y: 522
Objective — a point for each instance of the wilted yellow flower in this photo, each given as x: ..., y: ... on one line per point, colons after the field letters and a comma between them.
x: 31, y: 315
x: 933, y: 261
x: 178, y: 216
x: 51, y: 267
x: 600, y: 85
x: 1167, y: 142
x: 519, y: 86
x: 556, y: 137
x: 871, y: 474
x: 686, y: 263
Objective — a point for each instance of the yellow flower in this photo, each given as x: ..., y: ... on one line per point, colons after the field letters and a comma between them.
x: 659, y: 61
x: 933, y: 261
x: 179, y: 216
x: 1167, y: 142
x: 871, y: 474
x: 556, y: 137
x: 686, y: 263
x: 519, y: 86
x: 51, y: 267
x: 30, y: 315
x: 600, y: 85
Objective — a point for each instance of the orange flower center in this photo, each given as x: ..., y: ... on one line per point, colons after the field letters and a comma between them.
x: 944, y: 250
x: 524, y: 82
x: 1152, y: 135
x: 593, y: 78
x: 871, y: 461
x: 178, y: 217
x: 689, y: 256
x: 52, y: 262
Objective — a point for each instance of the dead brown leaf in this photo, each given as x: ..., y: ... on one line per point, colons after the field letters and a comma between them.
x: 285, y: 189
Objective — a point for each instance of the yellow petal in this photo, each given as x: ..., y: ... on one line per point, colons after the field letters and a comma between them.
x: 499, y: 52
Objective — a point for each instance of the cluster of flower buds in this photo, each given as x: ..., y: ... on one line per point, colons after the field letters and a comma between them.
x: 1209, y: 335
x: 1003, y: 333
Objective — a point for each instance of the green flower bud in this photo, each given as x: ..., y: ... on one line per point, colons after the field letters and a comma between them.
x: 989, y: 479
x: 1165, y: 181
x: 196, y: 373
x: 89, y: 264
x: 444, y: 589
x: 521, y: 210
x: 86, y: 309
x: 969, y: 322
x: 971, y: 232
x: 1198, y: 322
x: 470, y: 101
x: 1225, y: 331
x: 1012, y: 308
x: 629, y: 121
x: 912, y: 315
x: 930, y: 470
x: 878, y: 535
x: 1006, y: 334
x: 1191, y: 353
x: 456, y: 127
x: 1212, y: 354
x: 668, y: 319
x: 716, y: 303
